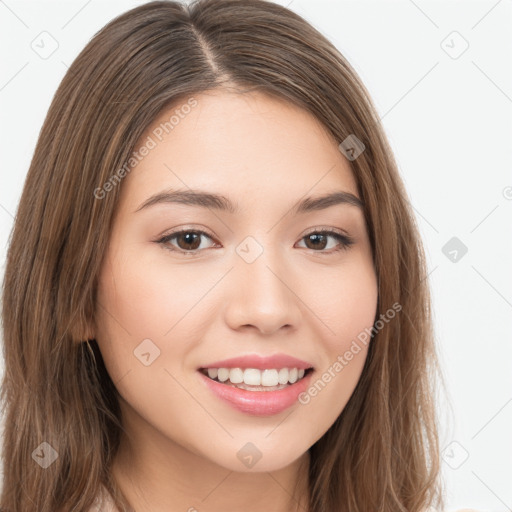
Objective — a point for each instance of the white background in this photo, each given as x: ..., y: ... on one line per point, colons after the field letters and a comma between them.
x: 449, y: 121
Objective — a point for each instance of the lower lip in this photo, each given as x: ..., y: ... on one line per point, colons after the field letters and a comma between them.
x: 258, y: 403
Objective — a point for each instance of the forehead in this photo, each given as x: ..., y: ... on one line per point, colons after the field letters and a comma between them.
x: 241, y: 145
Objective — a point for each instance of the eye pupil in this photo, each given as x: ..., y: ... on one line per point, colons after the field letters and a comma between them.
x: 188, y: 235
x: 315, y: 237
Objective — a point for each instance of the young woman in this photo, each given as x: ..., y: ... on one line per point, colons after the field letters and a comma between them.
x: 215, y: 295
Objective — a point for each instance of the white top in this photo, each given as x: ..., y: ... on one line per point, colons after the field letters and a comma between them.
x: 103, y: 502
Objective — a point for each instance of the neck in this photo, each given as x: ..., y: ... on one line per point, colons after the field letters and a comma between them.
x: 160, y: 473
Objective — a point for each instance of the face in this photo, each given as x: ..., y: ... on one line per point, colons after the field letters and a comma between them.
x: 187, y: 284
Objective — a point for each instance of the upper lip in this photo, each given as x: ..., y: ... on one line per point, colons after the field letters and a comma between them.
x: 260, y: 362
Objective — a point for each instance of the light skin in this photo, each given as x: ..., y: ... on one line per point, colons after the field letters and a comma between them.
x: 299, y: 297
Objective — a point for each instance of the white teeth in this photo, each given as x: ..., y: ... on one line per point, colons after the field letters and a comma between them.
x: 236, y: 375
x: 252, y: 376
x: 255, y: 377
x: 223, y: 374
x: 283, y: 376
x: 269, y: 378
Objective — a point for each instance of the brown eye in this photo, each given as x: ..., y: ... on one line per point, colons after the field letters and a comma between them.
x: 318, y: 240
x: 186, y: 240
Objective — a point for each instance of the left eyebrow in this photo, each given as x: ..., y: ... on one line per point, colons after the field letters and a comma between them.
x: 321, y: 202
x: 219, y: 202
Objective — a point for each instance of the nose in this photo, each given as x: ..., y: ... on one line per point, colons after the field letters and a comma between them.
x: 264, y: 296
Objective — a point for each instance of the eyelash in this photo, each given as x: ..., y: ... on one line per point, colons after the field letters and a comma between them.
x: 345, y: 241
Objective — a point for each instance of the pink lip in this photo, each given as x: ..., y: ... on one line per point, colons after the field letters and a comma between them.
x: 258, y: 403
x: 276, y: 361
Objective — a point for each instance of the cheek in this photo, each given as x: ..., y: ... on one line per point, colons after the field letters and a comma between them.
x: 139, y: 312
x: 346, y: 303
x: 142, y: 297
x: 145, y: 297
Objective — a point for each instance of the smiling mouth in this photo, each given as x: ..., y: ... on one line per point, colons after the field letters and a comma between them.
x: 251, y: 379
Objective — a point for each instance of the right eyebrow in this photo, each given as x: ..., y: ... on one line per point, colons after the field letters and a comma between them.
x: 192, y: 198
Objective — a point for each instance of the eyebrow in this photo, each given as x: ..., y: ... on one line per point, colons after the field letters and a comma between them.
x: 219, y: 202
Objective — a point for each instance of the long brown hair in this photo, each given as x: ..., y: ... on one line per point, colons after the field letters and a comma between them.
x: 382, y: 452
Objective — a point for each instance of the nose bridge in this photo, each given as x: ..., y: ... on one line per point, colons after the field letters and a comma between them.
x: 264, y: 298
x: 260, y: 262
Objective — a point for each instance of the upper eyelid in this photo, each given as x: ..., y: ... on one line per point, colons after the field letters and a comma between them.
x: 314, y: 229
x: 202, y: 231
x: 187, y: 230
